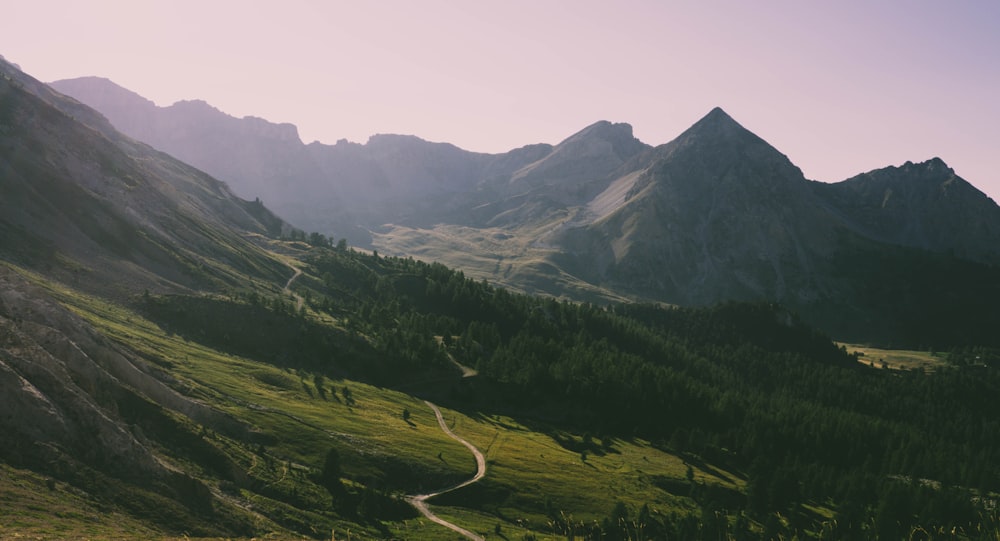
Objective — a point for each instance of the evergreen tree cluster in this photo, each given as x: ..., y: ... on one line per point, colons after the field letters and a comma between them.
x: 748, y: 386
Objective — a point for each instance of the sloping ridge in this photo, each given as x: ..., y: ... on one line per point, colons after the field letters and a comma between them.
x: 83, y: 193
x: 920, y: 205
x: 342, y: 189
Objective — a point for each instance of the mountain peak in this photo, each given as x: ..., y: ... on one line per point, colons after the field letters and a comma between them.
x: 718, y: 113
x: 591, y: 154
x: 717, y: 132
x: 8, y: 62
x: 932, y: 172
x: 604, y: 128
x: 716, y: 151
x: 936, y: 165
x: 617, y: 135
x: 396, y: 139
x: 196, y: 105
x: 102, y: 90
x: 717, y: 122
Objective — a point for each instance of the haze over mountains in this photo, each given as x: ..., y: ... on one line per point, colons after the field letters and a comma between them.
x: 170, y: 366
x: 76, y: 190
x: 716, y: 214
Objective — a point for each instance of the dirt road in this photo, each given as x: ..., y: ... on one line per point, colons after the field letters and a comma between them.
x: 419, y: 501
x: 299, y: 301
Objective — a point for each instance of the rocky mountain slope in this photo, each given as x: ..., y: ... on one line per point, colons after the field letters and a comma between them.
x: 88, y: 412
x: 717, y: 214
x: 920, y: 205
x: 343, y: 189
x: 85, y: 202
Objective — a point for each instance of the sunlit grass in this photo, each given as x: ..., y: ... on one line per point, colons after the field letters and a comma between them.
x: 286, y: 404
x: 517, y: 262
x: 528, y: 467
x: 34, y: 507
x: 896, y: 359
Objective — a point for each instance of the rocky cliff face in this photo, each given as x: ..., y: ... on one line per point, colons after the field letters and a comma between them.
x: 920, y: 205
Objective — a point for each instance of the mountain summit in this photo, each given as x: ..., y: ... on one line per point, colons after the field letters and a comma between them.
x: 717, y: 214
x: 717, y: 123
x: 920, y: 205
x: 718, y: 149
x: 591, y: 154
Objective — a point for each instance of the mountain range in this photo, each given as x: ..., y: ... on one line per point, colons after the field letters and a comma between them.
x: 716, y: 214
x: 178, y: 361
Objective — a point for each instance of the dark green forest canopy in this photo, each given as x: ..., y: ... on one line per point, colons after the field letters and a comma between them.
x: 745, y: 386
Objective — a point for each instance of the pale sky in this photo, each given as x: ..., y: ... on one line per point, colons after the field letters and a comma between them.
x: 840, y: 87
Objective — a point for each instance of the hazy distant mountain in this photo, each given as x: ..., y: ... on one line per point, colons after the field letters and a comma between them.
x: 584, y: 158
x: 89, y: 203
x: 345, y: 189
x: 714, y: 215
x: 340, y: 190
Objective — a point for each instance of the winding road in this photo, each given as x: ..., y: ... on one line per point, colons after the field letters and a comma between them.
x: 419, y: 501
x: 299, y: 301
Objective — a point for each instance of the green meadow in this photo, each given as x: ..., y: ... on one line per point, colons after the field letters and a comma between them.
x: 298, y: 416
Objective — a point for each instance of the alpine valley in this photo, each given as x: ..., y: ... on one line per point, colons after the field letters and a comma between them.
x: 594, y: 340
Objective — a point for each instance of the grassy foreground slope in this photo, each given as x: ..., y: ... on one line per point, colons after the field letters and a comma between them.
x: 294, y: 417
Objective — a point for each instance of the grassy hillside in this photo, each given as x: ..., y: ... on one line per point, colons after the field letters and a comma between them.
x: 519, y: 262
x: 295, y: 416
